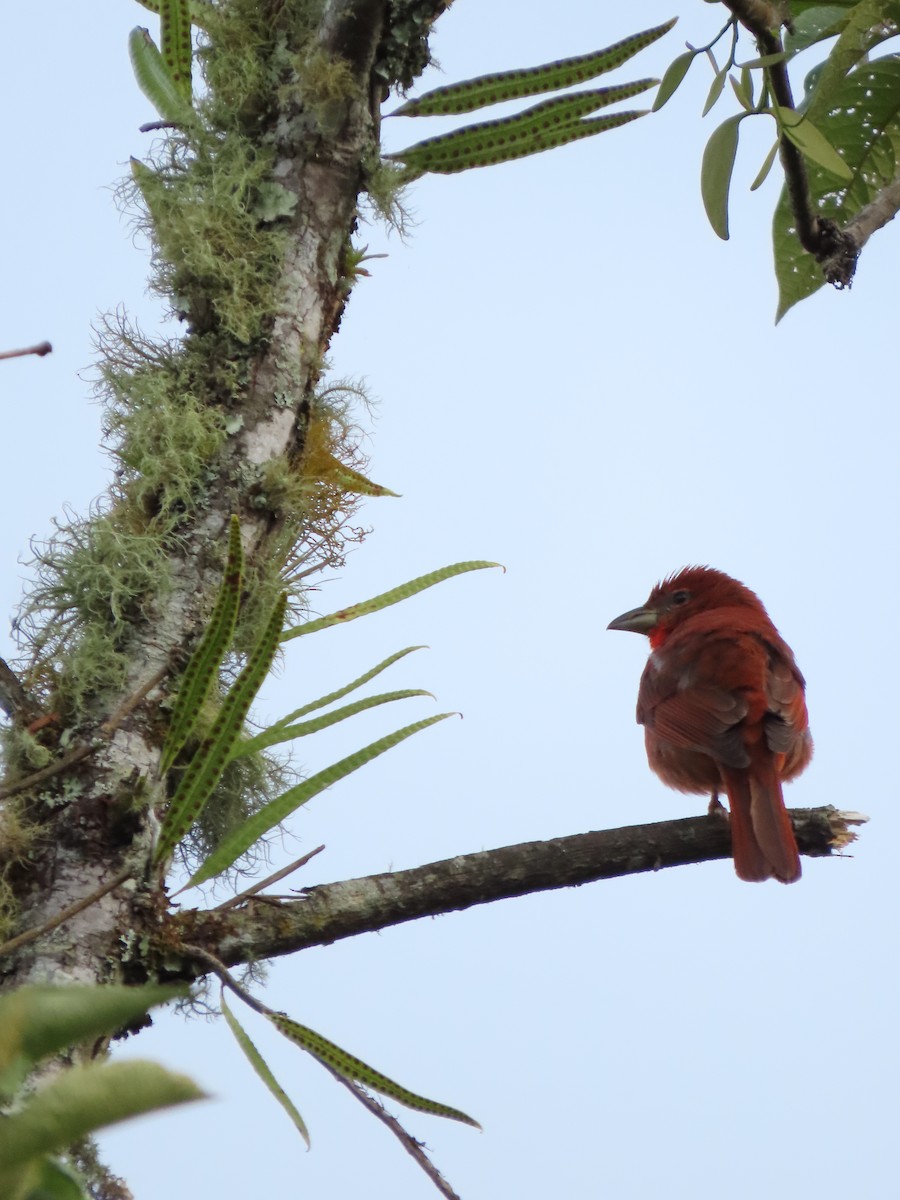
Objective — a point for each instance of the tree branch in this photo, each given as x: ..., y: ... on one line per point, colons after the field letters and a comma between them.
x: 329, y: 912
x: 764, y: 21
x: 836, y: 249
x: 839, y: 266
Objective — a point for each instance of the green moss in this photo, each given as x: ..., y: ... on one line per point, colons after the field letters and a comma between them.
x: 18, y: 839
x: 212, y: 255
x: 218, y: 223
x: 94, y: 581
x: 166, y: 438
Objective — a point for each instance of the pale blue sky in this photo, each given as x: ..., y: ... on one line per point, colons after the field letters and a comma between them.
x: 578, y: 379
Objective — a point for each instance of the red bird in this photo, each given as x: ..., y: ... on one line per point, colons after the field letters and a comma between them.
x: 721, y: 701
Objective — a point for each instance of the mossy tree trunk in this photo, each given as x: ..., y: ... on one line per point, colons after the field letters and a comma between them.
x: 251, y: 215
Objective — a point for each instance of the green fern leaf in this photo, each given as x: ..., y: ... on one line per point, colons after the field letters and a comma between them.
x: 154, y: 80
x: 471, y: 94
x: 545, y: 125
x: 350, y: 1067
x: 203, y: 667
x: 386, y: 599
x: 262, y: 1069
x: 279, y: 809
x: 205, y: 769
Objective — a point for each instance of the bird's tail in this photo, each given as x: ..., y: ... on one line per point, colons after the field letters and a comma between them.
x: 762, y: 837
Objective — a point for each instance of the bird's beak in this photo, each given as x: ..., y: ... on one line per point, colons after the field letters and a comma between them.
x: 636, y: 620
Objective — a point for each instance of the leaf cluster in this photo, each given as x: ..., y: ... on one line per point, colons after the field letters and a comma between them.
x: 39, y: 1023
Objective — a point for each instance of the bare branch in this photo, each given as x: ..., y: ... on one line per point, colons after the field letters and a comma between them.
x: 269, y: 879
x: 329, y: 912
x: 39, y: 350
x: 406, y: 1140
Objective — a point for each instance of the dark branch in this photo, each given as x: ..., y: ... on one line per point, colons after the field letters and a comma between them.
x: 836, y: 249
x: 14, y: 700
x: 413, y: 1147
x: 764, y: 20
x: 329, y: 912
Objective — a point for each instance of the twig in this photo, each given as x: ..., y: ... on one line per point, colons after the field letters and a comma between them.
x: 406, y: 1140
x: 111, y: 724
x: 219, y: 968
x: 40, y: 350
x: 264, y: 883
x: 84, y: 749
x: 30, y: 935
x: 75, y: 755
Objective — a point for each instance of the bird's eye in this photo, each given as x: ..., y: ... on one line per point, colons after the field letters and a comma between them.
x: 680, y: 597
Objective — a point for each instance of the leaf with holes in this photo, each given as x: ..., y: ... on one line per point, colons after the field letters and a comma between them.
x: 544, y: 126
x: 175, y: 38
x: 471, y: 94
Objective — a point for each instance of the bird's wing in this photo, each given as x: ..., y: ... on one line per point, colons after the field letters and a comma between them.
x: 695, y: 717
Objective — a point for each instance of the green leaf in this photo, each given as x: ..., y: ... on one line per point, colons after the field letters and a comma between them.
x: 814, y: 25
x: 353, y: 1068
x: 673, y: 78
x: 154, y: 80
x: 869, y: 23
x: 811, y: 142
x: 471, y: 94
x: 276, y: 734
x: 741, y: 95
x: 210, y: 759
x: 279, y: 809
x: 39, y: 1021
x: 55, y: 1181
x: 330, y: 468
x: 81, y: 1100
x: 715, y: 173
x: 715, y: 91
x: 767, y: 60
x: 175, y: 36
x: 765, y: 168
x: 386, y: 599
x: 544, y: 126
x: 203, y: 666
x: 261, y: 1067
x: 350, y: 687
